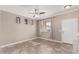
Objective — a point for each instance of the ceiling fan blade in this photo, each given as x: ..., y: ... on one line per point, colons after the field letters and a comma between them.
x: 33, y: 15
x: 42, y: 12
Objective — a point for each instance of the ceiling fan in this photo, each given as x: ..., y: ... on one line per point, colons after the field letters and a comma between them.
x: 36, y: 12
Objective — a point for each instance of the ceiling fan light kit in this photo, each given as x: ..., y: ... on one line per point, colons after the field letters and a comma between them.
x: 37, y: 13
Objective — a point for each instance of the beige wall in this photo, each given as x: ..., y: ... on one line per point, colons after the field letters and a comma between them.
x: 57, y: 23
x: 11, y: 32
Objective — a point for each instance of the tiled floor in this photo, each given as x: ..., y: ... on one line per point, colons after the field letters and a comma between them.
x: 38, y: 46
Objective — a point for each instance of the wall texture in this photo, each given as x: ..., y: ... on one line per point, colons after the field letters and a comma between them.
x: 11, y: 32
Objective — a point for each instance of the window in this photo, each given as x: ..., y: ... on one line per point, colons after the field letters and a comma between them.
x: 48, y: 26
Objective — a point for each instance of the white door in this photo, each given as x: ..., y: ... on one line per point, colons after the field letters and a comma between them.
x: 69, y: 30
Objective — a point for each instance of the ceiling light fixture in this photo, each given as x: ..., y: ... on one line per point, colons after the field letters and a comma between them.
x: 67, y: 6
x: 36, y: 13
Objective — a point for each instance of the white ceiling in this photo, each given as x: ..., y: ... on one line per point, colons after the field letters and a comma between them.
x: 25, y: 9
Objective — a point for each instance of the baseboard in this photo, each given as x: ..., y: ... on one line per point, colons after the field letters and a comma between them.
x: 49, y: 39
x: 16, y: 43
x: 54, y: 40
x: 67, y: 43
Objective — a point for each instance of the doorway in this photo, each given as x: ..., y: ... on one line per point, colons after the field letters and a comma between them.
x: 69, y: 30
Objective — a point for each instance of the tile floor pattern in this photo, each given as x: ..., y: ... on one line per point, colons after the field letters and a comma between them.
x: 38, y: 46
